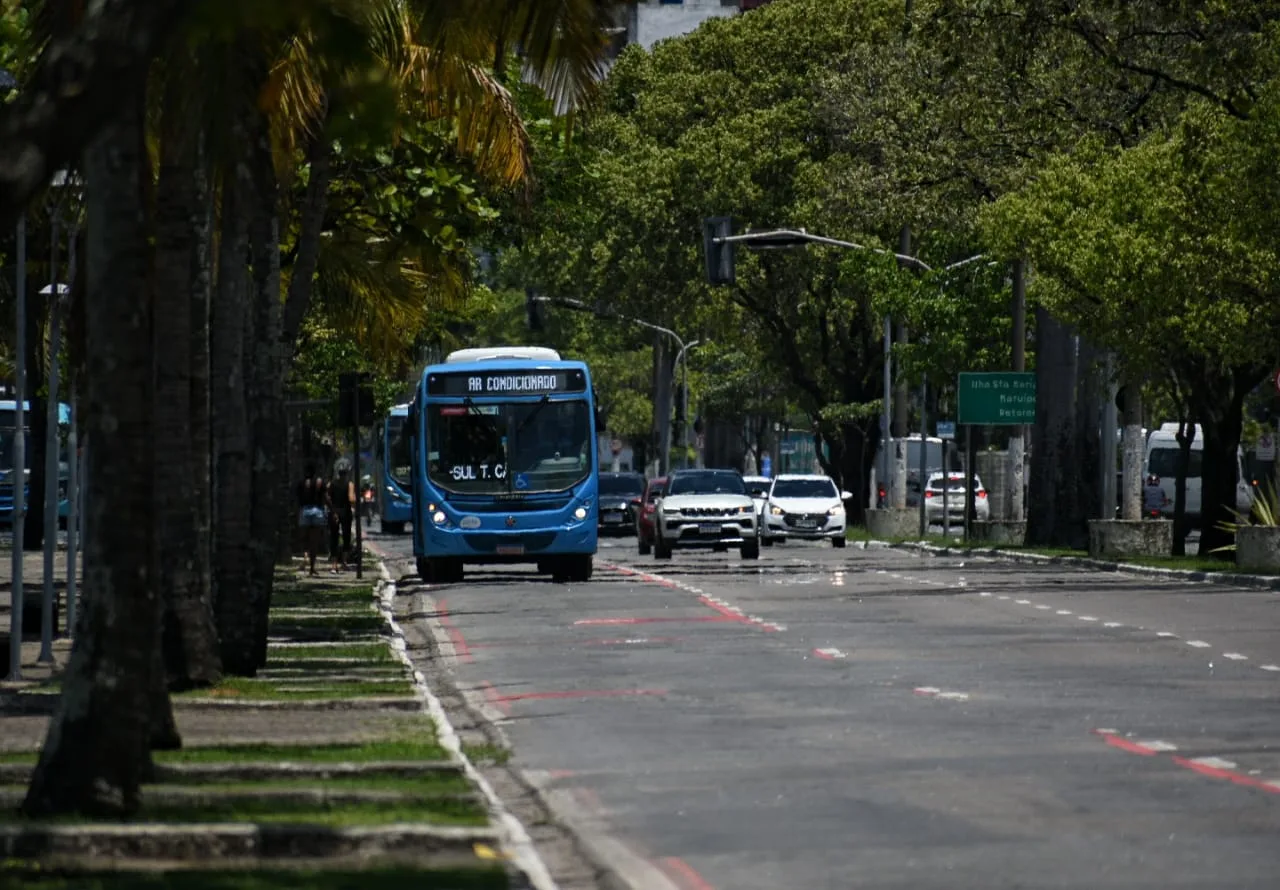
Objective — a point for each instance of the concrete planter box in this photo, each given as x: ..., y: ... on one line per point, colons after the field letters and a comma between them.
x: 1110, y: 538
x: 890, y: 524
x: 1258, y: 549
x: 1008, y: 532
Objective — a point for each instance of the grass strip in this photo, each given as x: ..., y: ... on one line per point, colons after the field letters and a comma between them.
x: 478, y: 878
x: 299, y: 597
x: 268, y: 690
x: 244, y: 809
x: 371, y: 652
x: 424, y: 748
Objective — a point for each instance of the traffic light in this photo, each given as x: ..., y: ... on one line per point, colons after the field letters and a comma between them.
x: 719, y: 257
x: 532, y: 310
x: 355, y: 400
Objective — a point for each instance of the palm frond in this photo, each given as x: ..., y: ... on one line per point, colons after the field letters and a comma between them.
x: 562, y: 43
x: 487, y: 122
x: 1264, y: 509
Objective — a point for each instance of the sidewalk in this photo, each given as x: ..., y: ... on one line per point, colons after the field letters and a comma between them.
x: 325, y: 761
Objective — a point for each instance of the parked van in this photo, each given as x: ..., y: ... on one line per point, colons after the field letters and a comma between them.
x: 1162, y: 461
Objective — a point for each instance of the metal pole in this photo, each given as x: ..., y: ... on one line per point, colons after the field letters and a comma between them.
x: 73, y: 513
x: 355, y: 461
x: 946, y: 486
x: 666, y: 440
x: 969, y: 493
x: 924, y: 455
x: 19, y: 474
x: 51, y: 451
x: 684, y: 398
x: 885, y: 415
x: 1110, y: 423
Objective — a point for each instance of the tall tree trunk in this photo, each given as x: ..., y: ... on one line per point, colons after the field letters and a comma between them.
x: 201, y: 431
x: 96, y: 752
x: 181, y: 264
x: 265, y: 383
x: 233, y: 606
x: 1050, y: 519
x: 1222, y: 425
x: 1132, y: 448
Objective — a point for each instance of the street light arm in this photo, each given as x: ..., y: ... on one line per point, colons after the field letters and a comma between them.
x: 583, y: 307
x: 786, y: 237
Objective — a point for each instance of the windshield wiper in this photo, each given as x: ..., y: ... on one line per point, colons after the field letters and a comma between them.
x: 542, y: 403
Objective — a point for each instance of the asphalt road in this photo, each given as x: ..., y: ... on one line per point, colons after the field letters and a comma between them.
x: 830, y: 718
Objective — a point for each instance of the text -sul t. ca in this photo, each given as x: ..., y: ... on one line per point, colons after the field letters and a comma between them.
x: 514, y: 383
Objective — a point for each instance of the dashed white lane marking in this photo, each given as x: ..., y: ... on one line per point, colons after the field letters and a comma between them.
x: 1086, y: 618
x: 935, y: 692
x: 1113, y: 624
x: 1199, y: 644
x: 1002, y: 597
x: 1166, y: 634
x: 1023, y: 602
x: 1044, y: 608
x: 830, y: 654
x: 1270, y: 667
x: 984, y: 593
x: 1158, y: 745
x: 1235, y: 656
x: 1063, y: 612
x: 1215, y: 762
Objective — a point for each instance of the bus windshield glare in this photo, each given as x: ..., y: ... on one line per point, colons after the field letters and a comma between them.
x: 524, y: 447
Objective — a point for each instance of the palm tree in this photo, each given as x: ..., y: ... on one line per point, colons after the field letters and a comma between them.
x: 98, y: 747
x: 181, y: 282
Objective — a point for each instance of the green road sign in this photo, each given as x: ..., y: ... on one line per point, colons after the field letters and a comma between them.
x: 1002, y: 398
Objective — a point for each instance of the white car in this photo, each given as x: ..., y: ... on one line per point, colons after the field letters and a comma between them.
x: 706, y: 508
x: 955, y: 499
x: 758, y: 488
x: 806, y: 506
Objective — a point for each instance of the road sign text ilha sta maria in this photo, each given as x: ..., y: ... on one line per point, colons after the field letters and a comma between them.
x: 1004, y: 398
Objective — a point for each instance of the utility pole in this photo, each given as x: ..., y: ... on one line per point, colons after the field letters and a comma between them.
x: 1017, y: 442
x: 901, y: 405
x: 19, y: 471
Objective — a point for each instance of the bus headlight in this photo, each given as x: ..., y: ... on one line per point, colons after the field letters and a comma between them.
x: 580, y: 513
x: 439, y: 518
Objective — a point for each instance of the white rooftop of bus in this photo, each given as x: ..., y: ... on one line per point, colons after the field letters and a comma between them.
x: 494, y: 353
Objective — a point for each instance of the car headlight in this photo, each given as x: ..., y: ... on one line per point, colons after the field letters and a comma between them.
x: 439, y: 518
x: 777, y: 511
x: 837, y: 510
x: 750, y: 509
x: 580, y: 513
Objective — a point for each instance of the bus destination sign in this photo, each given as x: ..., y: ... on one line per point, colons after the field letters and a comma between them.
x: 533, y: 382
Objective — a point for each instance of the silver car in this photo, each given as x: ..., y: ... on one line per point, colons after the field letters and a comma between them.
x: 955, y: 498
x: 706, y: 508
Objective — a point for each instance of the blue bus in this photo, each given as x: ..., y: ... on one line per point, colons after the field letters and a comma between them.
x: 8, y: 411
x: 504, y: 464
x: 392, y: 474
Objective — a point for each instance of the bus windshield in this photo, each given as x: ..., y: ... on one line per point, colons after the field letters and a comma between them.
x: 398, y: 459
x: 524, y: 447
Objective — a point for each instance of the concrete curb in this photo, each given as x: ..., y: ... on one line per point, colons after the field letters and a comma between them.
x: 230, y: 840
x: 514, y: 836
x: 20, y: 773
x: 1232, y: 579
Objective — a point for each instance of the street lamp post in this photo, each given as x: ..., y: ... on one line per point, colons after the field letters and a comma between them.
x: 683, y: 348
x: 783, y: 239
x: 682, y: 362
x: 19, y: 470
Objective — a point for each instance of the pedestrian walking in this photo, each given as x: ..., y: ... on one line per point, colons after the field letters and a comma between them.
x: 313, y: 496
x: 343, y: 501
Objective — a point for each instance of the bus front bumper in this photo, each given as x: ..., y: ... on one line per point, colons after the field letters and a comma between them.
x: 487, y: 545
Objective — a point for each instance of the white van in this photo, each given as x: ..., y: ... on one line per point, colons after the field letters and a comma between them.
x: 1162, y: 461
x: 882, y: 472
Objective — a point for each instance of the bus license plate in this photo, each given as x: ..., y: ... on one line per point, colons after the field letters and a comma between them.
x: 709, y: 528
x: 510, y: 549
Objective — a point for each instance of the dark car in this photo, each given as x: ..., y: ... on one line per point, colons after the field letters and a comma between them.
x: 644, y: 516
x: 620, y: 495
